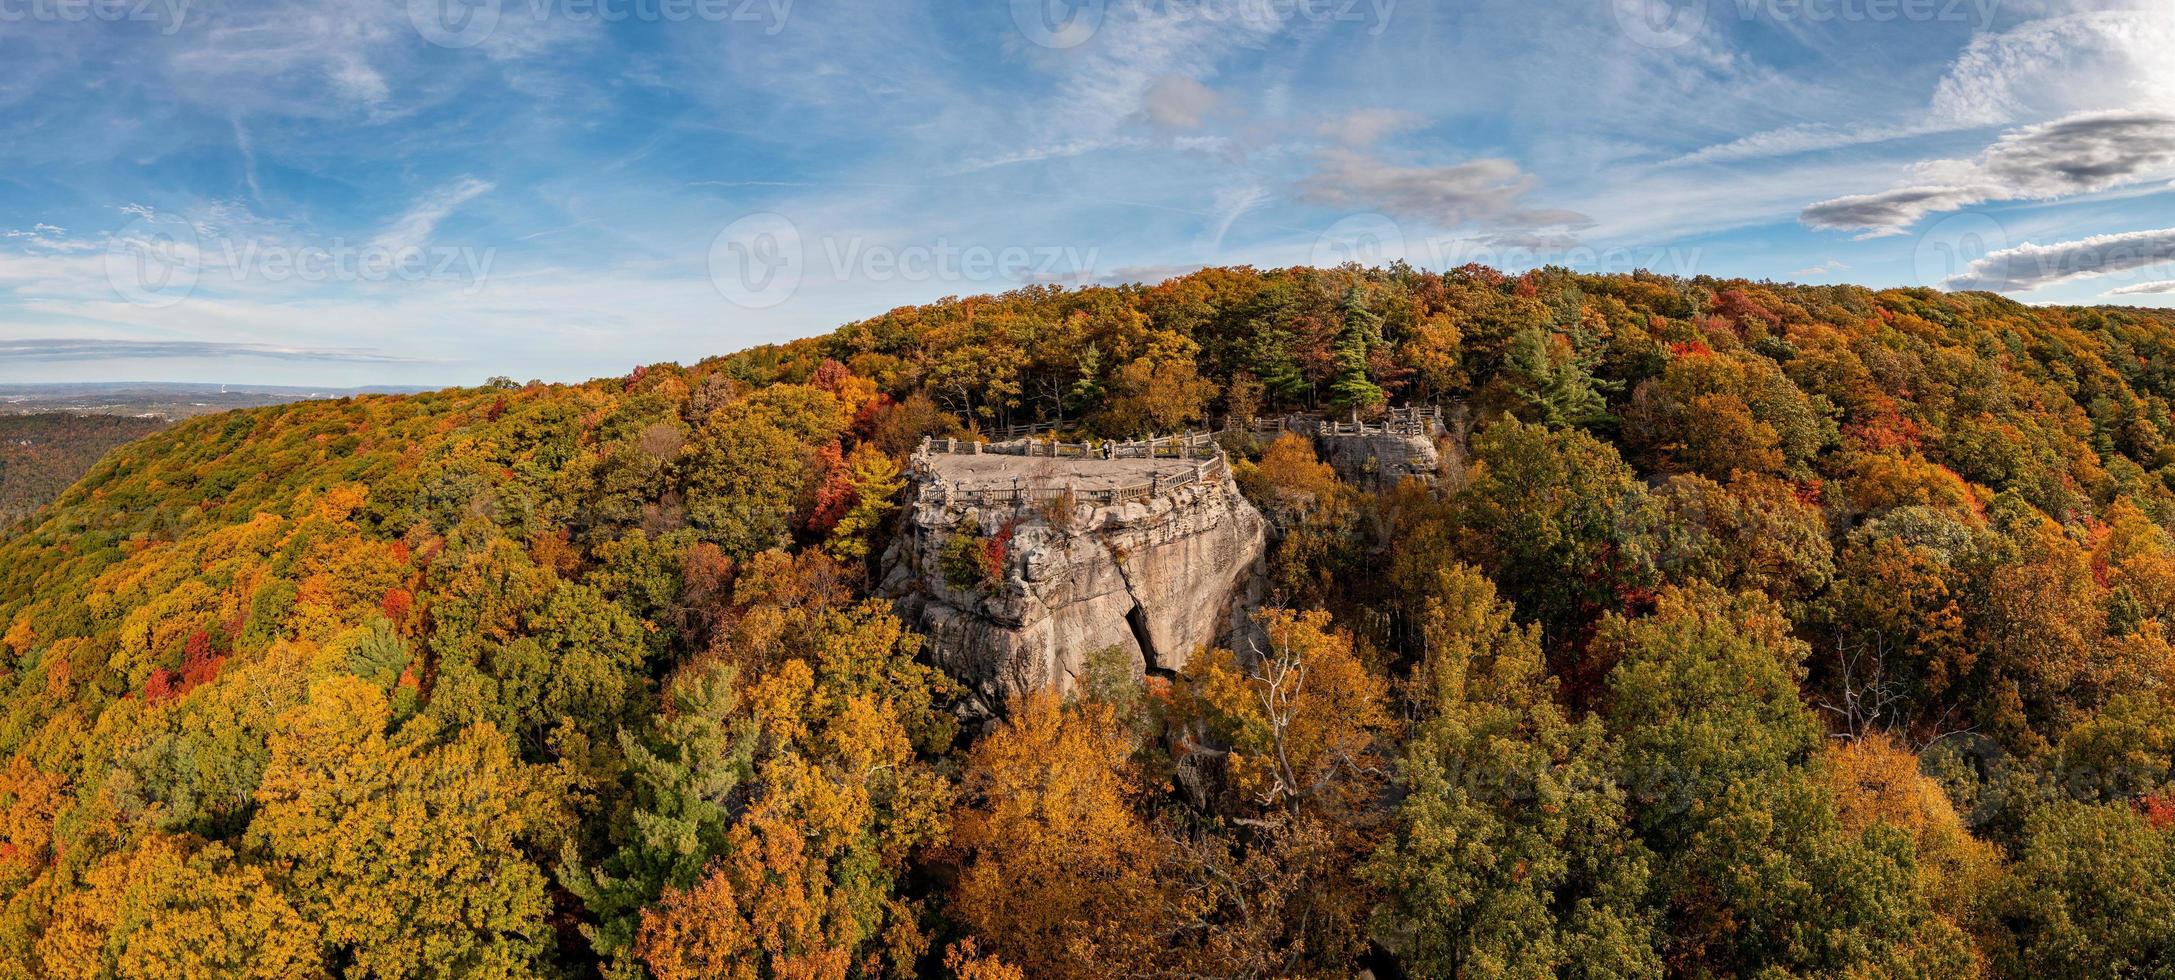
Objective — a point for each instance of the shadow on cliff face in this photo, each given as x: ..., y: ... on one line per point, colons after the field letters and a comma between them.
x: 1137, y: 619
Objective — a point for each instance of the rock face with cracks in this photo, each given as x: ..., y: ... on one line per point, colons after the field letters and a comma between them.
x: 1017, y: 568
x: 1380, y: 458
x: 1379, y: 453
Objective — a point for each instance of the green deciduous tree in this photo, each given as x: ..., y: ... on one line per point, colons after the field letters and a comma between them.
x: 2092, y: 895
x: 1756, y: 872
x: 1510, y: 855
x: 1562, y: 525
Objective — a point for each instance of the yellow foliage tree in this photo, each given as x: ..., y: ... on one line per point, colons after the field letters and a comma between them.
x: 159, y: 912
x: 406, y: 851
x: 1059, y: 875
x: 1877, y: 781
x: 1305, y: 720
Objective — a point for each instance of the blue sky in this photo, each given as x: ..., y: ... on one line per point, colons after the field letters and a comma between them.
x: 439, y: 191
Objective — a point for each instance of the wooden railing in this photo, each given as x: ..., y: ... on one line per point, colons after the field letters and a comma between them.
x: 1210, y: 467
x: 1414, y: 421
x: 1189, y: 445
x: 1027, y: 430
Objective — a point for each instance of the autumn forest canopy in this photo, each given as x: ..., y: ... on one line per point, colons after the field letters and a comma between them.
x: 1745, y: 630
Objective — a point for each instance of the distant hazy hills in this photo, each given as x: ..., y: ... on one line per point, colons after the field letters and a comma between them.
x: 52, y: 434
x: 163, y: 399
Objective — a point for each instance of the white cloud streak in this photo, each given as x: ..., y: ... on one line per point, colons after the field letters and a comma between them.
x: 2029, y: 267
x: 413, y: 229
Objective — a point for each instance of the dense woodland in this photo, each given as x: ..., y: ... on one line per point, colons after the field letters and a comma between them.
x: 1751, y: 630
x: 41, y: 454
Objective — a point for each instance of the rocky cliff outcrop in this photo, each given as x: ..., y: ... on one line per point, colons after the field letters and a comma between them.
x: 1017, y: 568
x: 1380, y: 458
x: 1369, y: 453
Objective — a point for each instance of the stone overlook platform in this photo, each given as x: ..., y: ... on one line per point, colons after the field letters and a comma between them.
x: 1028, y: 471
x: 1145, y: 547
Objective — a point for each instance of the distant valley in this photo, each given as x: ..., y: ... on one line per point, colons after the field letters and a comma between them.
x: 166, y: 400
x: 52, y: 434
x: 40, y: 455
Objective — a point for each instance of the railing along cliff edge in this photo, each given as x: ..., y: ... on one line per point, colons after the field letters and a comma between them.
x: 1210, y: 466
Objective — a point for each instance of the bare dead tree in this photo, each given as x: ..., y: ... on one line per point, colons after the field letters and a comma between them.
x: 1866, y: 694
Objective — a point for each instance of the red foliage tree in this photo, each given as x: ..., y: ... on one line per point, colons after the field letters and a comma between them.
x: 833, y: 494
x: 161, y: 686
x: 396, y: 604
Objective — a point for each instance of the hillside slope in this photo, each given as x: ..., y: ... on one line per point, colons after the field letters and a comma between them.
x: 40, y: 455
x: 1749, y: 627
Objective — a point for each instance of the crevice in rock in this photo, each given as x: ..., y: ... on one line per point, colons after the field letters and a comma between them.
x: 1137, y: 619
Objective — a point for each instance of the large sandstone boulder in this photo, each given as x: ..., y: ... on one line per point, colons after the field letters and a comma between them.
x: 1376, y: 453
x: 1380, y: 458
x: 1157, y: 575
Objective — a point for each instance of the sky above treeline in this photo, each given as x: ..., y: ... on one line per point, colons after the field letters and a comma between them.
x: 439, y: 191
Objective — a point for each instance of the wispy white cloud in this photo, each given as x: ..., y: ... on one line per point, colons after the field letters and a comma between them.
x: 96, y: 349
x: 249, y: 160
x: 2040, y: 69
x: 1232, y: 203
x: 413, y: 229
x: 1803, y: 138
x: 1365, y: 127
x: 2059, y: 65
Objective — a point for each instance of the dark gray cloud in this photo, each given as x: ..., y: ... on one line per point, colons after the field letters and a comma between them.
x: 1488, y: 192
x: 2078, y: 154
x: 1890, y: 212
x: 2028, y: 267
x: 2082, y: 154
x: 60, y: 349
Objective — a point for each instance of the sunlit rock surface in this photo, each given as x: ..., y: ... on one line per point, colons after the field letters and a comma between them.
x: 1155, y: 555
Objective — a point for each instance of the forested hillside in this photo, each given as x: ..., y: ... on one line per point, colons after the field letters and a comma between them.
x: 40, y: 455
x: 1749, y: 630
